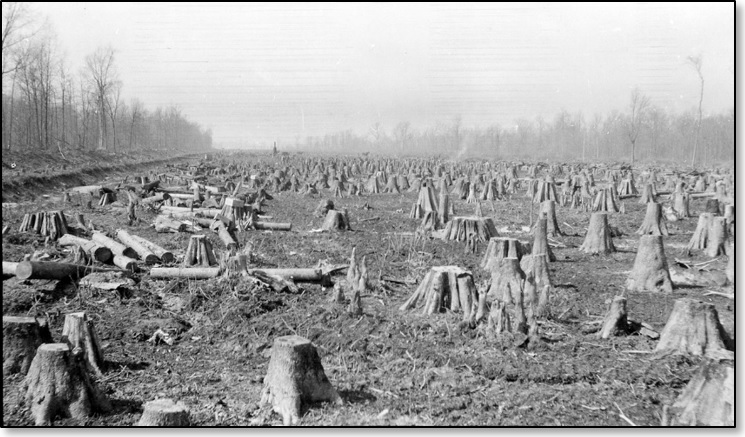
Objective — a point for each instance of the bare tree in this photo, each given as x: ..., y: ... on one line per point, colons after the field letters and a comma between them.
x: 638, y: 107
x: 402, y: 134
x: 697, y: 62
x: 112, y: 102
x: 102, y: 76
x: 16, y: 32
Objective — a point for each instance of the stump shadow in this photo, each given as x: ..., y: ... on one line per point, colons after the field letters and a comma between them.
x: 129, y: 365
x: 357, y: 396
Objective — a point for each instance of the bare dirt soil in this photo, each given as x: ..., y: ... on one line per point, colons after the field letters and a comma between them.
x: 390, y: 367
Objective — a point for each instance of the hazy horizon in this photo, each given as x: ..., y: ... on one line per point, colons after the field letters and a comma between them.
x: 258, y: 72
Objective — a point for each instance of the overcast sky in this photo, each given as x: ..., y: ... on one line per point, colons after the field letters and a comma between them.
x: 256, y: 72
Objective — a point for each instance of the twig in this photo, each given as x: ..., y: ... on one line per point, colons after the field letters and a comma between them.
x: 727, y: 295
x: 623, y: 416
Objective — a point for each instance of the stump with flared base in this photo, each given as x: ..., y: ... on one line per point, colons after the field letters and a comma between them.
x: 650, y: 271
x: 653, y: 224
x: 717, y: 237
x: 445, y: 287
x: 164, y: 412
x: 295, y: 377
x: 700, y: 236
x: 501, y: 247
x: 22, y: 336
x: 58, y: 384
x: 471, y: 230
x: 693, y: 328
x: 707, y: 400
x: 598, y: 239
x: 506, y: 282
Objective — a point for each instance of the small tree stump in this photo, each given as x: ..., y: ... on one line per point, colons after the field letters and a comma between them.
x: 548, y: 211
x: 445, y: 287
x: 323, y: 208
x: 79, y: 332
x: 336, y: 221
x: 731, y: 265
x: 708, y: 399
x: 598, y: 239
x: 653, y: 224
x: 22, y: 336
x: 294, y: 378
x: 58, y: 384
x: 615, y: 321
x: 700, y: 237
x: 681, y: 201
x: 650, y: 271
x: 471, y: 230
x: 717, y: 237
x: 606, y: 200
x: 693, y: 328
x: 164, y: 412
x: 540, y: 240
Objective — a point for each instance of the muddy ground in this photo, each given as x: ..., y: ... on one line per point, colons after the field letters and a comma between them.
x: 390, y: 368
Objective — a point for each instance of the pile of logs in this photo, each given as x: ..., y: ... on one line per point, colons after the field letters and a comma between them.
x: 50, y: 224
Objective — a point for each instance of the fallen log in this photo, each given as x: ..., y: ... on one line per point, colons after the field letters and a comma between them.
x: 165, y: 256
x: 297, y: 275
x: 184, y: 272
x: 143, y: 251
x: 167, y: 222
x: 9, y: 269
x: 55, y: 270
x: 269, y: 226
x: 125, y: 262
x: 116, y: 247
x: 96, y: 251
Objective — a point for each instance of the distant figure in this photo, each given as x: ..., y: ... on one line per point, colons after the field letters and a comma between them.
x: 274, y: 151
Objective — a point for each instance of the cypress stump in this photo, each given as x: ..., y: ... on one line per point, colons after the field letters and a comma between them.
x: 707, y: 400
x: 693, y: 328
x: 650, y: 271
x: 598, y: 239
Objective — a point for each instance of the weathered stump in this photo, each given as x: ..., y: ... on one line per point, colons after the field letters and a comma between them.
x: 700, y: 237
x: 22, y: 336
x: 653, y: 224
x: 445, y: 287
x: 336, y: 221
x: 598, y: 239
x: 164, y: 412
x: 540, y: 240
x: 681, y: 201
x: 506, y: 283
x: 200, y: 252
x: 707, y: 400
x: 717, y: 237
x: 648, y: 195
x: 471, y: 230
x: 650, y: 271
x: 323, y: 208
x: 693, y: 328
x: 548, y: 211
x: 615, y: 321
x: 294, y: 378
x: 498, y: 248
x: 80, y: 333
x: 57, y: 383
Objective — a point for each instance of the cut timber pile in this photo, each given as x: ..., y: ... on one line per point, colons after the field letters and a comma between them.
x: 445, y: 287
x: 295, y: 378
x: 144, y: 251
x: 116, y: 247
x: 199, y: 252
x: 51, y: 224
x: 22, y: 336
x: 58, y: 384
x: 707, y: 400
x: 693, y: 328
x: 96, y: 251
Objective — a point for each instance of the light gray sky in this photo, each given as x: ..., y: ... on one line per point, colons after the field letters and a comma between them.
x: 256, y: 72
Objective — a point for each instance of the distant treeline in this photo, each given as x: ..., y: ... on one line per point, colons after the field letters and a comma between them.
x: 46, y: 106
x: 662, y: 137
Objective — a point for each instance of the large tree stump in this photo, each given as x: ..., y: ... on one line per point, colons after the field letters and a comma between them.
x: 57, y: 383
x: 650, y: 271
x: 700, y: 237
x: 548, y: 211
x: 537, y: 286
x: 471, y: 230
x: 498, y: 248
x: 598, y: 239
x: 707, y: 400
x: 425, y: 202
x: 680, y: 204
x: 22, y: 336
x: 606, y: 200
x: 717, y: 237
x: 648, y: 195
x: 80, y: 333
x: 712, y: 207
x: 294, y: 378
x: 693, y: 328
x: 540, y: 240
x: 164, y: 412
x: 506, y: 283
x: 615, y: 321
x: 445, y: 287
x: 336, y: 221
x: 653, y: 224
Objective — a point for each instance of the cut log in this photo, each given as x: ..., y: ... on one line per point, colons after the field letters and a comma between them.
x: 114, y: 246
x: 125, y: 263
x: 269, y: 226
x: 598, y: 239
x: 160, y: 197
x: 295, y: 378
x: 708, y: 399
x: 96, y: 251
x: 164, y: 412
x: 143, y: 252
x: 79, y: 332
x: 650, y: 271
x: 163, y: 223
x: 22, y: 336
x: 225, y: 237
x: 444, y: 288
x: 615, y: 321
x: 9, y: 269
x: 295, y: 275
x: 164, y: 255
x: 55, y: 270
x: 58, y: 384
x: 186, y: 273
x: 653, y: 224
x: 693, y: 328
